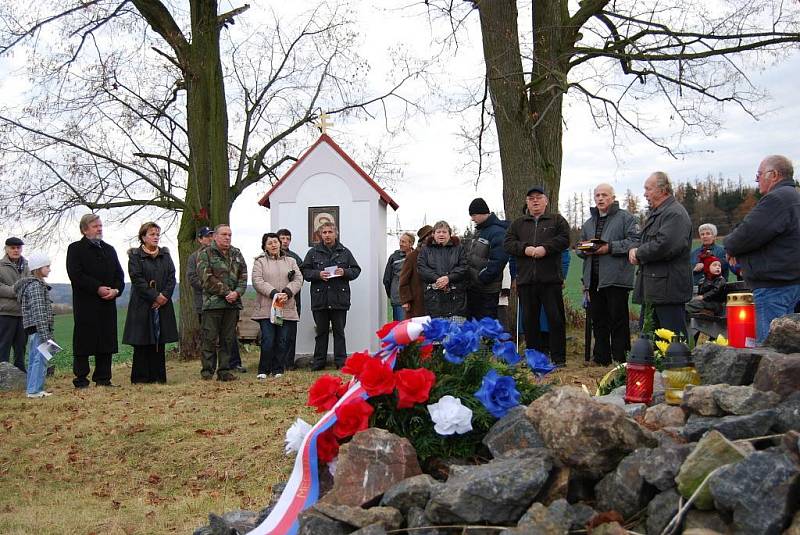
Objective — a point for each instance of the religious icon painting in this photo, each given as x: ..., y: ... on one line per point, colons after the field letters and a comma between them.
x: 317, y: 215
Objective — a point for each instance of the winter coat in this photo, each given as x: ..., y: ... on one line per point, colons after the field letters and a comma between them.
x: 551, y: 231
x: 221, y: 274
x: 436, y: 261
x: 714, y: 249
x: 391, y: 276
x: 10, y: 274
x: 33, y: 296
x: 299, y: 261
x: 664, y: 275
x: 89, y: 266
x: 621, y: 232
x: 486, y: 256
x: 411, y: 289
x: 767, y: 242
x: 713, y: 290
x: 193, y: 276
x: 335, y: 292
x: 150, y: 276
x: 276, y: 275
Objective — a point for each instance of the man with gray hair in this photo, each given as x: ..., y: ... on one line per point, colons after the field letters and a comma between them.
x: 391, y: 274
x: 97, y: 280
x: 766, y: 244
x: 606, y: 238
x: 13, y: 267
x: 707, y: 233
x: 664, y: 279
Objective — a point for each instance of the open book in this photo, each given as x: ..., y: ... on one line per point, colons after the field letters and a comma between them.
x: 48, y: 348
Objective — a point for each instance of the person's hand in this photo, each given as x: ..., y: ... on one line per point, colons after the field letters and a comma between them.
x: 699, y: 297
x: 441, y: 282
x: 104, y: 291
x: 232, y: 296
x: 339, y: 272
x: 161, y: 300
x: 529, y: 250
x: 406, y: 306
x: 632, y: 257
x: 698, y: 266
x: 603, y: 249
x: 282, y: 297
x: 731, y: 259
x: 324, y: 275
x: 540, y: 252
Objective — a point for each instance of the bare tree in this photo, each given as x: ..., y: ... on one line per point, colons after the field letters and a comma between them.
x: 621, y: 58
x: 146, y: 107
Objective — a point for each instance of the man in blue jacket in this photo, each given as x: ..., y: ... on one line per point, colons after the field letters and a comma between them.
x: 766, y: 244
x: 486, y: 259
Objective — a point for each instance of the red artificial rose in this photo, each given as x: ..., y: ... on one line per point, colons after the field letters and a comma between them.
x: 386, y: 329
x: 413, y: 386
x: 377, y: 377
x: 324, y: 394
x: 352, y: 417
x: 327, y: 446
x: 425, y: 351
x: 355, y: 363
x: 342, y: 390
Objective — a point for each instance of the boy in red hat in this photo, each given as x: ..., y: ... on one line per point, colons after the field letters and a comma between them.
x: 711, y: 290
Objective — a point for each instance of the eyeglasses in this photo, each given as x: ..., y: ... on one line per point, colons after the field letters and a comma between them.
x: 759, y: 174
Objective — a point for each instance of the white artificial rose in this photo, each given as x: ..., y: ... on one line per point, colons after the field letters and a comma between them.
x: 450, y: 416
x: 295, y: 435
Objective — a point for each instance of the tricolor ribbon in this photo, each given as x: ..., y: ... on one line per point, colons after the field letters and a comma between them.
x: 302, y: 489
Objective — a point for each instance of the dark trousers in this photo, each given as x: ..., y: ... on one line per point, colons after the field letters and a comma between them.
x: 482, y: 304
x: 547, y: 296
x: 102, y: 369
x: 325, y: 321
x: 12, y: 336
x: 610, y: 324
x: 149, y: 364
x: 672, y: 317
x: 274, y: 346
x: 291, y: 335
x: 219, y: 334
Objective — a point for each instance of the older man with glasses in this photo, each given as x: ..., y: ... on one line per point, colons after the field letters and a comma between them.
x: 12, y: 335
x: 766, y: 244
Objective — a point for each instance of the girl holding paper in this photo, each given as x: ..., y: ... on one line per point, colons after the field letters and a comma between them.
x: 277, y: 279
x: 33, y: 295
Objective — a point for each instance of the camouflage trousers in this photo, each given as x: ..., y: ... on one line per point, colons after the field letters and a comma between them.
x: 219, y: 334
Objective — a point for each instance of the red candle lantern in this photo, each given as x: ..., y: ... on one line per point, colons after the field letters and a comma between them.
x: 640, y: 371
x: 741, y: 320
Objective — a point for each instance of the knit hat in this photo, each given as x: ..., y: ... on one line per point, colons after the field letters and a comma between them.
x: 478, y: 206
x: 707, y: 261
x: 424, y: 231
x: 37, y: 259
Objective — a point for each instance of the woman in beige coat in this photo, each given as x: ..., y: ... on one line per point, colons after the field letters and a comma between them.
x: 277, y: 279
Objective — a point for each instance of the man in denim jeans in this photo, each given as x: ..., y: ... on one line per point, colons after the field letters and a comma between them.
x: 767, y: 244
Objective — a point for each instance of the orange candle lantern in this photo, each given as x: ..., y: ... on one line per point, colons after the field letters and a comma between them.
x: 640, y: 371
x: 741, y: 320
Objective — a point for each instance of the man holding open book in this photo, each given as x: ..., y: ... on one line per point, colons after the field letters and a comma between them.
x: 606, y: 238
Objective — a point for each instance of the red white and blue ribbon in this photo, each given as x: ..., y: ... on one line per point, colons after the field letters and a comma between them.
x: 302, y: 488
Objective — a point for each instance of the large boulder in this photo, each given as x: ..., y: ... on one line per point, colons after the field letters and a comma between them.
x: 661, y: 510
x: 784, y: 334
x: 744, y: 399
x: 412, y: 492
x: 733, y: 427
x: 663, y: 464
x: 586, y: 435
x: 12, y: 378
x: 779, y: 373
x: 722, y: 364
x: 760, y: 491
x: 371, y: 463
x: 664, y: 415
x: 512, y: 432
x: 387, y: 517
x: 229, y: 523
x: 624, y: 489
x: 498, y: 492
x: 699, y: 399
x: 788, y: 414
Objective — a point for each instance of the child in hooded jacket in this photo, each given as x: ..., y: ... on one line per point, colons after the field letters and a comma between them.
x: 33, y: 295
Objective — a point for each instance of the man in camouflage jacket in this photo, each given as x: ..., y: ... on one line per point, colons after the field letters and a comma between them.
x: 223, y: 273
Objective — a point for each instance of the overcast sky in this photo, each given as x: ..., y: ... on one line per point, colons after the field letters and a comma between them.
x: 434, y: 185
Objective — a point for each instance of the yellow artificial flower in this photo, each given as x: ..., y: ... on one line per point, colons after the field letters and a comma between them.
x: 721, y: 340
x: 662, y: 346
x: 665, y: 334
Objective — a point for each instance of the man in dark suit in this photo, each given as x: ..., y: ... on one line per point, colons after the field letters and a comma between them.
x: 97, y: 280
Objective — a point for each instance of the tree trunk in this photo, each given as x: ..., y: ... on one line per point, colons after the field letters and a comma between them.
x: 528, y: 120
x: 208, y: 192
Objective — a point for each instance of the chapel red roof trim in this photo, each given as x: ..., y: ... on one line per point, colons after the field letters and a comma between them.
x: 327, y: 139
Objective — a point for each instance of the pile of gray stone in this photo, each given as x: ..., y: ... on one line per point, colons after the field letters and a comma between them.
x: 726, y: 461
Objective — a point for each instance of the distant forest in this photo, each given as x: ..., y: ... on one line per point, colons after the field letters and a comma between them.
x: 723, y: 202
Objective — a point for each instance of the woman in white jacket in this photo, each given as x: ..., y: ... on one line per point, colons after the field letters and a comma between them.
x: 277, y: 279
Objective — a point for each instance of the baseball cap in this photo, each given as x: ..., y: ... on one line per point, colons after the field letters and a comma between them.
x: 536, y: 189
x: 204, y: 231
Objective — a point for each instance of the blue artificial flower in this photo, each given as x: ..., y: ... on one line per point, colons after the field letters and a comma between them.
x: 492, y: 329
x: 436, y: 329
x: 539, y: 363
x: 506, y: 351
x: 460, y: 343
x: 498, y: 393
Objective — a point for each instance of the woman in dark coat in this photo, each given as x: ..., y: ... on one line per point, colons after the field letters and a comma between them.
x: 442, y: 267
x: 151, y: 318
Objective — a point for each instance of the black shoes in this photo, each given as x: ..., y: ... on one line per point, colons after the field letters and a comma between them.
x: 108, y: 385
x: 240, y: 369
x: 226, y: 376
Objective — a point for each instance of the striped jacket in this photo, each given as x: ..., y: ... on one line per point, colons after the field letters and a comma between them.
x: 37, y: 307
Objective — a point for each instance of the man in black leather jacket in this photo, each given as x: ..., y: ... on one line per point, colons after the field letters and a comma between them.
x: 487, y: 259
x: 330, y: 267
